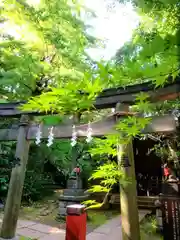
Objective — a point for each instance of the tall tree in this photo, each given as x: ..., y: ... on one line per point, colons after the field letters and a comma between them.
x: 153, y: 52
x: 41, y: 45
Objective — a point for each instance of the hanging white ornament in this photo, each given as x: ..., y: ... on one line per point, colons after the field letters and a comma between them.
x: 74, y: 136
x: 89, y: 134
x: 38, y: 136
x: 50, y: 137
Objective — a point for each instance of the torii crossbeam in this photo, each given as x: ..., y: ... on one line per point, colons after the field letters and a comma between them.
x: 110, y: 97
x: 159, y: 124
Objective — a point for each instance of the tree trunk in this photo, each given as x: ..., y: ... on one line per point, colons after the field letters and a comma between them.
x: 128, y: 195
x: 14, y: 196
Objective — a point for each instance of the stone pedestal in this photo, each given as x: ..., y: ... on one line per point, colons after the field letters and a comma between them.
x: 74, y: 194
x: 74, y: 184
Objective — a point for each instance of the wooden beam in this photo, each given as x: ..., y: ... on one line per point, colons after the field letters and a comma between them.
x: 109, y: 98
x: 159, y: 124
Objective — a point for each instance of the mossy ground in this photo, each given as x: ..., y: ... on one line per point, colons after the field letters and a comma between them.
x: 46, y: 211
x: 148, y: 229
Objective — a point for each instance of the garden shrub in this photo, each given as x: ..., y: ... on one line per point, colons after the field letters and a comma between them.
x: 46, y: 167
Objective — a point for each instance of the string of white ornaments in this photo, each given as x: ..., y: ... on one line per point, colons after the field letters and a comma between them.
x: 38, y: 136
x: 74, y: 136
x: 89, y: 133
x: 50, y: 137
x: 73, y: 139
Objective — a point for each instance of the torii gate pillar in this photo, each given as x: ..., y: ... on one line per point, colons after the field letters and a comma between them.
x: 13, y: 201
x: 128, y: 193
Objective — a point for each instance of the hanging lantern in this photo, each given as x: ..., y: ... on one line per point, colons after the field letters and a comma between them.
x: 74, y: 136
x: 50, y: 137
x: 38, y: 136
x: 89, y: 134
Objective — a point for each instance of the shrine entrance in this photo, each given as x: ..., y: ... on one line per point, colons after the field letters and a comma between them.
x: 147, y: 168
x: 121, y: 99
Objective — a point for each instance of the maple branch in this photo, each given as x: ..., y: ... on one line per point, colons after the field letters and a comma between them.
x: 164, y: 74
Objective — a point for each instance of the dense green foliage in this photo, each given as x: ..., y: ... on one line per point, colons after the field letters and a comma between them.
x: 43, y: 60
x: 45, y: 63
x: 151, y: 55
x: 153, y: 52
x: 42, y: 45
x: 46, y: 166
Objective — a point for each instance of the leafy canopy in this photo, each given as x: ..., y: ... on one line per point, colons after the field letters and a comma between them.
x: 41, y: 45
x: 48, y: 63
x: 153, y: 52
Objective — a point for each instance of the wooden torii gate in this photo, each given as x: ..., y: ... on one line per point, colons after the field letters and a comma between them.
x: 108, y: 98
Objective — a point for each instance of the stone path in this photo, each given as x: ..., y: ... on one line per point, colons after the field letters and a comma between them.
x: 39, y: 231
x: 110, y: 230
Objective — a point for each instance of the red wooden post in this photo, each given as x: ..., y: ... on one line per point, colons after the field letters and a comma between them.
x: 76, y: 222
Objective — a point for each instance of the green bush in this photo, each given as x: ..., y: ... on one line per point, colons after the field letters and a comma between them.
x: 35, y: 186
x: 6, y: 163
x: 35, y: 179
x: 45, y: 167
